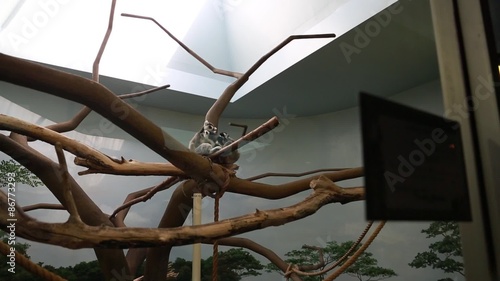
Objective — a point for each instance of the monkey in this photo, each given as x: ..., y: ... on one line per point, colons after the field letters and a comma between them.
x: 229, y: 157
x: 204, y: 141
x: 223, y: 139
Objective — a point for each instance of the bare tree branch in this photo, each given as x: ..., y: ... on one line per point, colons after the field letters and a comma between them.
x: 76, y: 236
x: 111, y: 107
x: 128, y: 119
x: 180, y: 206
x: 245, y: 127
x: 253, y: 135
x: 150, y: 193
x: 214, y: 113
x: 88, y: 157
x: 142, y: 93
x: 279, y: 191
x: 191, y: 52
x: 261, y: 250
x: 74, y: 217
x: 258, y: 177
x: 46, y: 206
x: 221, y: 103
x: 127, y: 168
x: 84, y: 112
x: 49, y: 173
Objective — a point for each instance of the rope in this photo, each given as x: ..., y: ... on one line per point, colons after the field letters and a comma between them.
x: 29, y: 265
x: 356, y: 255
x: 218, y: 195
x: 295, y: 269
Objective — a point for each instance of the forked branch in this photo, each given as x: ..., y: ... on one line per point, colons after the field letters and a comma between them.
x: 186, y: 48
x: 75, y: 236
x: 150, y: 193
x: 84, y: 112
x: 93, y: 159
x: 214, y: 113
x: 74, y: 217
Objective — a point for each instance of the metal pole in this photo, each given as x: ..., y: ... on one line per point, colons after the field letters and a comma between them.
x: 196, y: 270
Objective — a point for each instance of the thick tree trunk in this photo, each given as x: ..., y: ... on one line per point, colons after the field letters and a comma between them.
x: 112, y: 261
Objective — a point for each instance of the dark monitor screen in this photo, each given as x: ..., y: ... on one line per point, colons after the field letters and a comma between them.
x: 413, y: 161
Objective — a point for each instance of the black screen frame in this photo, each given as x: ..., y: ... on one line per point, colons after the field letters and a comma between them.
x: 386, y: 202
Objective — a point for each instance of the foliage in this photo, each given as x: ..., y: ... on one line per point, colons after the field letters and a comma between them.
x: 184, y: 268
x: 233, y: 265
x: 87, y: 271
x: 303, y: 256
x: 240, y: 262
x: 365, y: 267
x: 444, y: 254
x: 20, y: 175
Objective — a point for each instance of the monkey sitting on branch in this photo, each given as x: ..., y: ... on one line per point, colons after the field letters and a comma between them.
x: 207, y: 142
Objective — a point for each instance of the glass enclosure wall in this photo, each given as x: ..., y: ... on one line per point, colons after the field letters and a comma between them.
x: 399, y: 53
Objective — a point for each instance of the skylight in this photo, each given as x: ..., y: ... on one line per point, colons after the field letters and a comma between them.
x: 69, y: 33
x: 231, y: 35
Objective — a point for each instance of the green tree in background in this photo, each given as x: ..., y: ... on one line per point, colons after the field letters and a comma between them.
x: 444, y: 254
x: 304, y: 256
x: 233, y: 265
x: 21, y: 175
x: 365, y: 268
x: 184, y: 268
x: 13, y: 172
x: 88, y: 271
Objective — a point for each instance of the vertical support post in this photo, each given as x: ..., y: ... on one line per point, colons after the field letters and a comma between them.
x: 196, y: 269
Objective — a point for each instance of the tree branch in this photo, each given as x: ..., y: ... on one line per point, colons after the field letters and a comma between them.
x: 259, y: 249
x: 258, y: 177
x: 186, y: 48
x: 130, y: 201
x: 142, y: 93
x: 279, y: 191
x: 74, y: 236
x: 84, y: 112
x: 104, y: 102
x: 45, y: 206
x: 48, y: 172
x: 253, y: 135
x: 88, y: 157
x: 74, y: 217
x: 127, y: 168
x: 214, y: 113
